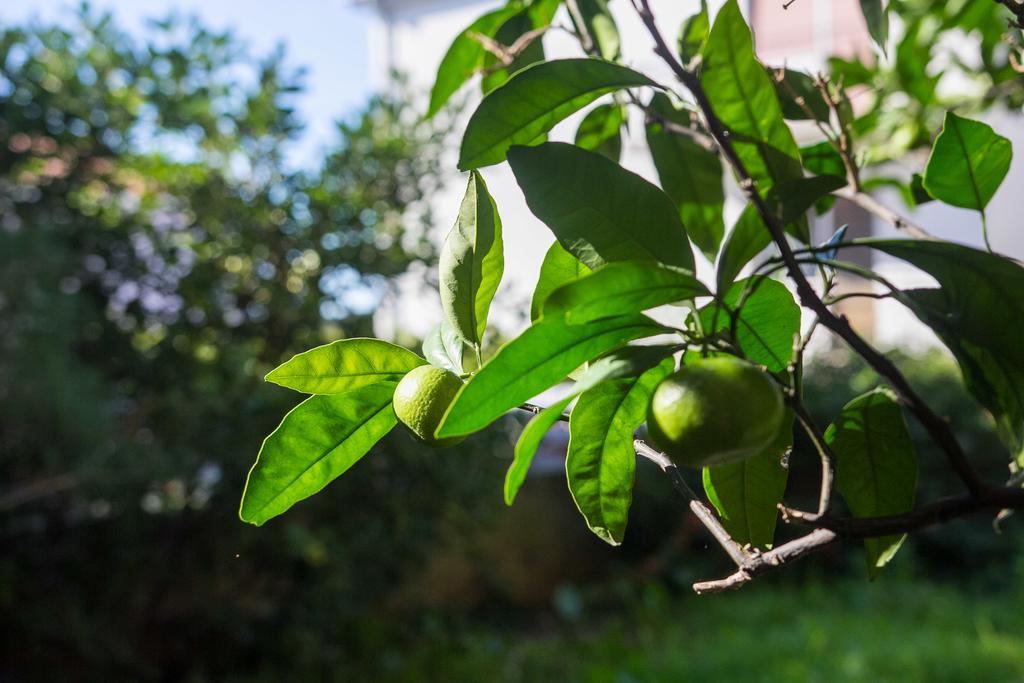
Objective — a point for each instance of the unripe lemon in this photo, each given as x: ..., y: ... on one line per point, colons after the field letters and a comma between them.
x: 421, y: 399
x: 714, y: 411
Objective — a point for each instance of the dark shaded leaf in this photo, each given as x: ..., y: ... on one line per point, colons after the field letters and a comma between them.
x: 876, y: 468
x: 747, y: 493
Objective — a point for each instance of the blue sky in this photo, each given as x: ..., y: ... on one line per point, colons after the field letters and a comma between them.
x: 328, y: 37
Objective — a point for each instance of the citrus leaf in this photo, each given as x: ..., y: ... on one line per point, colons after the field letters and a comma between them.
x: 789, y: 201
x: 629, y: 361
x: 766, y: 324
x: 558, y: 268
x: 599, y: 211
x: 747, y: 493
x: 796, y: 84
x: 466, y: 55
x: 543, y: 355
x: 743, y: 97
x: 317, y: 441
x: 600, y: 130
x: 876, y: 469
x: 534, y: 100
x: 344, y: 365
x: 599, y: 25
x: 693, y: 34
x: 471, y: 263
x: 622, y: 288
x: 601, y: 462
x: 877, y: 19
x: 967, y: 163
x: 526, y: 446
x: 976, y: 313
x: 691, y: 175
x: 444, y: 348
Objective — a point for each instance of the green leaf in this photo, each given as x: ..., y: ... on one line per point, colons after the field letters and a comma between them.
x: 794, y: 86
x: 599, y: 211
x: 344, y: 365
x: 967, y: 163
x: 747, y: 493
x: 444, y: 348
x: 765, y: 325
x: 693, y: 34
x: 559, y: 267
x: 526, y: 446
x: 601, y: 462
x: 877, y: 18
x: 620, y: 289
x: 466, y: 56
x: 600, y: 25
x: 543, y: 355
x: 600, y: 130
x: 789, y: 201
x: 629, y: 361
x: 315, y: 443
x: 534, y: 100
x: 691, y: 175
x: 977, y: 314
x: 743, y: 97
x: 471, y: 263
x: 876, y: 468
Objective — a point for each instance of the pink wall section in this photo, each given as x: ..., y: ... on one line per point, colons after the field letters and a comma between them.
x: 809, y: 25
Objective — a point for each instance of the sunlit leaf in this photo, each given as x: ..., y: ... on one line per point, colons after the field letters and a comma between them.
x: 534, y: 100
x: 622, y: 288
x: 444, y: 348
x: 765, y: 325
x: 694, y: 33
x: 601, y: 462
x: 317, y: 441
x: 344, y: 365
x: 599, y: 25
x: 743, y: 97
x: 543, y: 355
x: 601, y: 130
x: 471, y: 263
x: 526, y: 446
x: 558, y: 268
x: 967, y: 163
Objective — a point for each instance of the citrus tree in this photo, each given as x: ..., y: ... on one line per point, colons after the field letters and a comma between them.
x: 714, y: 383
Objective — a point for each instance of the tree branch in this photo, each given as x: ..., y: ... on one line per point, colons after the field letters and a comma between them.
x: 872, y: 205
x: 937, y: 428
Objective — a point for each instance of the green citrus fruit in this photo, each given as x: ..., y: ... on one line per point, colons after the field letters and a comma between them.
x: 421, y: 399
x: 714, y: 411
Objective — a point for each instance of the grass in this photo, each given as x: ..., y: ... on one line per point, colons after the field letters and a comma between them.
x: 887, y: 631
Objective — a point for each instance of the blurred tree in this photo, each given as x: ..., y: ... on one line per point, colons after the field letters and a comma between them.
x: 157, y: 257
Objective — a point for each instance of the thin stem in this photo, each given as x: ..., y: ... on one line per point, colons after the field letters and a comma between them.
x: 738, y: 555
x: 824, y: 453
x: 873, y: 206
